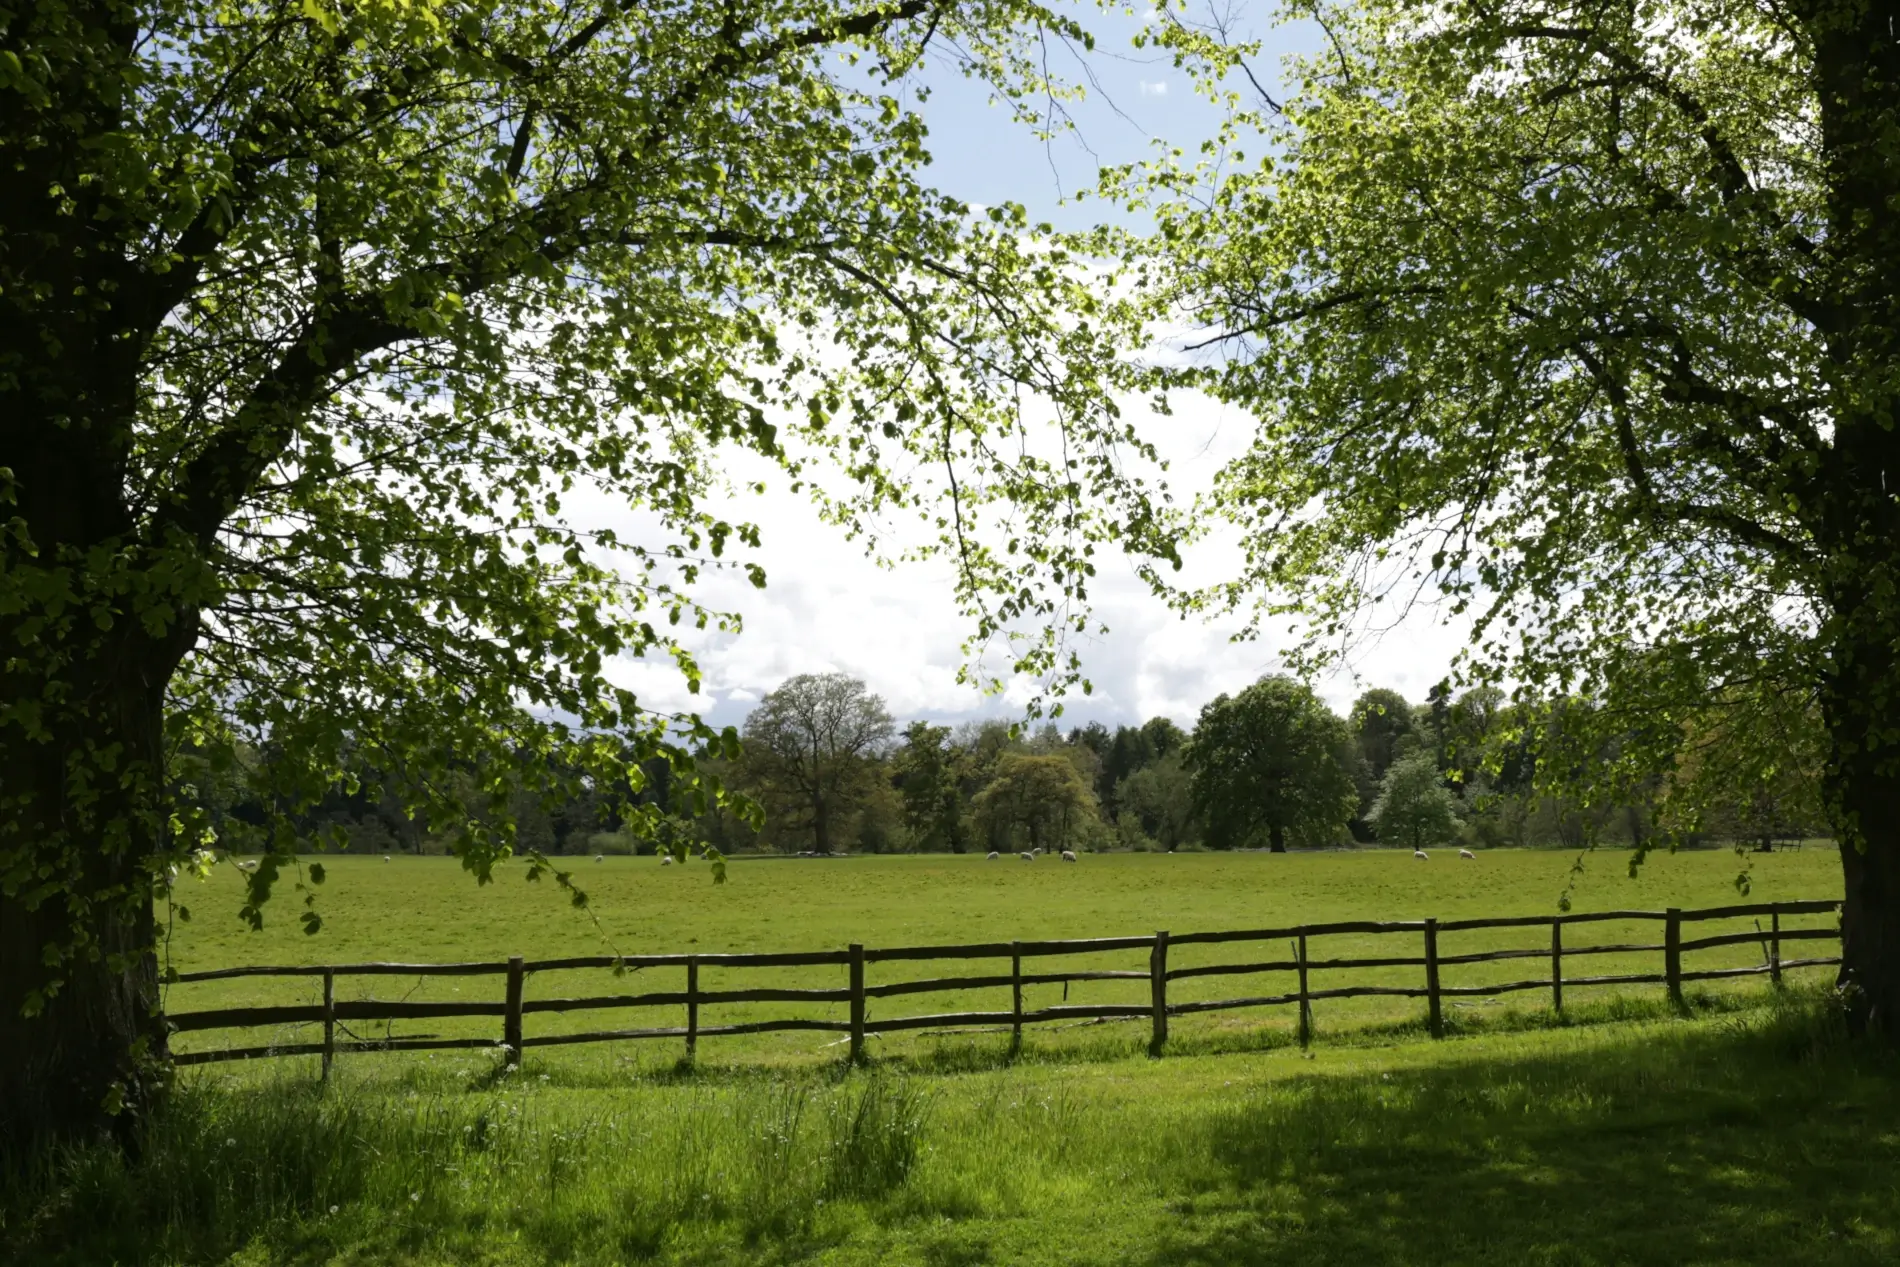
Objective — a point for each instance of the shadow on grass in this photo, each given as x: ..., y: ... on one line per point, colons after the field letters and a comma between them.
x: 1774, y: 1139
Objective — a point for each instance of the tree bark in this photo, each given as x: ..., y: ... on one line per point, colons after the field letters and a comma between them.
x: 1857, y: 93
x: 91, y: 1062
x: 82, y: 1038
x: 1866, y: 796
x: 1870, y: 913
x: 1276, y: 839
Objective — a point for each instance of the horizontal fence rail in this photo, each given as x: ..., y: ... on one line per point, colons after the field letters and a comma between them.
x: 513, y: 1009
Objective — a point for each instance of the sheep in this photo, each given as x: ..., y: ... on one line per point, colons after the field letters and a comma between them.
x: 1068, y: 855
x: 666, y: 859
x: 600, y: 857
x: 1421, y: 855
x: 994, y: 855
x: 1466, y: 853
x: 385, y: 857
x: 1028, y: 857
x: 249, y: 864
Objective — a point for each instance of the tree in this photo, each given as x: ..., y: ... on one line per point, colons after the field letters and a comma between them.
x: 318, y: 322
x: 1271, y: 761
x: 1473, y: 724
x: 1414, y: 806
x: 929, y: 778
x: 1728, y: 783
x: 1136, y: 748
x: 1588, y: 317
x: 1042, y: 799
x: 1161, y: 798
x: 816, y: 739
x: 1384, y: 729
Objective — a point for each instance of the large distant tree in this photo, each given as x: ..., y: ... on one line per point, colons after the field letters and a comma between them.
x: 814, y: 742
x: 1414, y: 807
x: 929, y: 772
x: 1039, y: 799
x: 1587, y: 316
x: 1269, y: 763
x: 319, y: 320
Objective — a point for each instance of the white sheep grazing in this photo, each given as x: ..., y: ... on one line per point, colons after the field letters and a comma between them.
x: 666, y: 859
x: 600, y: 857
x: 1068, y: 855
x: 385, y: 857
x: 1466, y: 853
x: 249, y: 864
x: 1029, y: 857
x: 994, y: 855
x: 1421, y: 855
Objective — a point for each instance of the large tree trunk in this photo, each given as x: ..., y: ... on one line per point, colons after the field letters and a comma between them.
x: 1870, y: 918
x: 82, y: 1040
x: 93, y: 635
x: 1857, y: 94
x: 1276, y: 839
x: 1866, y: 803
x: 90, y: 1061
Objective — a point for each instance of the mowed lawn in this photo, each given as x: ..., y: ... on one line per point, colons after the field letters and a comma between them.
x: 429, y: 910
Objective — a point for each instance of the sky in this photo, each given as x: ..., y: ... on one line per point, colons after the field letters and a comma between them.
x: 827, y: 607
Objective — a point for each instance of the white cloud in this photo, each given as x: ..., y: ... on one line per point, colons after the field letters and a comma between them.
x: 1154, y: 88
x: 827, y: 607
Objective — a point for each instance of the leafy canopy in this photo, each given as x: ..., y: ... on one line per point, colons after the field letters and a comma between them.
x: 813, y: 742
x: 1576, y: 318
x: 1415, y: 807
x: 402, y: 302
x: 1040, y: 798
x: 1271, y: 762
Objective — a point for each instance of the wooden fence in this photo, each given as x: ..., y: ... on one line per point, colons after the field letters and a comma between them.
x: 512, y: 1009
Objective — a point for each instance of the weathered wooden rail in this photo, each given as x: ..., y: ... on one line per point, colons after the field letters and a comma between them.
x: 513, y: 1008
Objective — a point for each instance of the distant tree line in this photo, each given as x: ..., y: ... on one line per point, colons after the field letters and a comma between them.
x: 1270, y: 767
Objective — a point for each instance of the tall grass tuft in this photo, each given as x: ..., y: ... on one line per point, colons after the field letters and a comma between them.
x: 874, y: 1136
x: 580, y: 1175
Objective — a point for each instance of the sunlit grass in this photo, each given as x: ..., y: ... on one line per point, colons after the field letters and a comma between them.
x: 428, y: 910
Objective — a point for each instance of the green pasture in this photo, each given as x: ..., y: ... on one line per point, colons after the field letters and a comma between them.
x: 428, y: 910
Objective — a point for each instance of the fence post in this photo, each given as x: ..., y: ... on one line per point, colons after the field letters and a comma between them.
x: 1435, y: 1020
x: 692, y: 1008
x: 1672, y: 955
x: 857, y: 1002
x: 1158, y: 988
x: 1015, y: 996
x: 1556, y: 964
x: 1774, y: 946
x: 329, y: 1021
x: 1306, y: 1004
x: 511, y: 1022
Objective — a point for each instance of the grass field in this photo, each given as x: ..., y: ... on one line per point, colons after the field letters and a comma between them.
x: 1756, y: 1136
x: 428, y: 910
x: 1751, y: 1130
